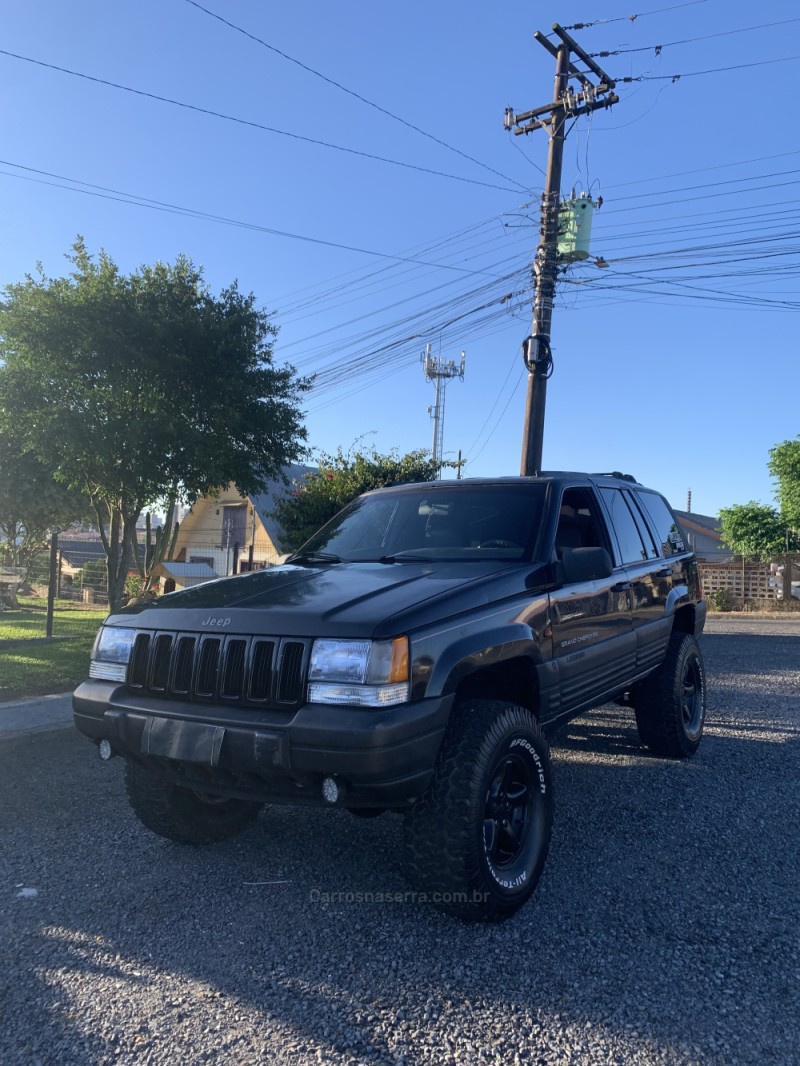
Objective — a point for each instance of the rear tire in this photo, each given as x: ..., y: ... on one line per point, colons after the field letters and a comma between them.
x: 181, y: 814
x: 671, y: 704
x: 476, y: 842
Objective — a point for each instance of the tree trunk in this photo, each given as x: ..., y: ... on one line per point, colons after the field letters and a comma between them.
x: 112, y: 525
x: 8, y: 597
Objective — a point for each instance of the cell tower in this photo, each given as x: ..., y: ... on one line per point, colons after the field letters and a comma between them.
x: 439, y: 371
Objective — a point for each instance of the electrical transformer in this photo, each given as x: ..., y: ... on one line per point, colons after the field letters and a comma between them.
x: 575, y: 228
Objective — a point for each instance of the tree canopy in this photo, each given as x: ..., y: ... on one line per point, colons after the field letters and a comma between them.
x: 784, y: 465
x: 342, y: 477
x: 754, y: 529
x: 140, y: 387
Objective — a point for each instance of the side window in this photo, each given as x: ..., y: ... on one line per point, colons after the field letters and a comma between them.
x: 579, y: 525
x: 631, y: 548
x: 202, y: 559
x: 641, y: 525
x: 668, y: 532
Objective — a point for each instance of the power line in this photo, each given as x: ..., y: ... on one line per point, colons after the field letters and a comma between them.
x: 704, y: 170
x: 479, y: 434
x: 657, y: 48
x: 250, y: 123
x: 450, y: 240
x: 633, y: 18
x: 105, y: 193
x: 350, y: 92
x: 714, y: 70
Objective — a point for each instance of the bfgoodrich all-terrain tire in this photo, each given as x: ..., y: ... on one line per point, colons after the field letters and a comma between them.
x: 181, y: 814
x: 476, y: 842
x: 671, y: 704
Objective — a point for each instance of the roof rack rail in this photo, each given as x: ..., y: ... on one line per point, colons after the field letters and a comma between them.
x: 617, y: 474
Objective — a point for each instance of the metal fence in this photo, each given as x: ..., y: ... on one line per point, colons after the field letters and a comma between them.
x: 81, y: 575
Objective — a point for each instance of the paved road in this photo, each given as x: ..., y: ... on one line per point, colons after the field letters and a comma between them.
x: 665, y: 929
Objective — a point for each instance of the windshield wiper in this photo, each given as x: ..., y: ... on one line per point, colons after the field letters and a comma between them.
x: 313, y: 557
x: 402, y: 557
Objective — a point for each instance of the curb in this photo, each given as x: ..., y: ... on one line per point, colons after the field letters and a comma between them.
x: 36, y: 713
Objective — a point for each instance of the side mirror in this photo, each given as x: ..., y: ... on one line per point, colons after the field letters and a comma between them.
x: 585, y: 564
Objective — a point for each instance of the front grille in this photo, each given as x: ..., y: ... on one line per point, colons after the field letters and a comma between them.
x: 253, y: 671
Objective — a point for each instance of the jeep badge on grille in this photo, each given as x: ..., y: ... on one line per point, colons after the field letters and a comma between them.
x: 216, y: 622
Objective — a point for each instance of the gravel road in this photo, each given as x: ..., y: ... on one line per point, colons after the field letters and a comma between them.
x: 665, y: 928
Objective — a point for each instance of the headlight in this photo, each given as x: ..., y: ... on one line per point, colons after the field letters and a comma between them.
x: 366, y: 673
x: 111, y: 652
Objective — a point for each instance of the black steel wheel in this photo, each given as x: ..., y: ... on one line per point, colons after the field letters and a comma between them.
x: 508, y: 812
x: 182, y: 814
x: 477, y: 841
x: 671, y: 704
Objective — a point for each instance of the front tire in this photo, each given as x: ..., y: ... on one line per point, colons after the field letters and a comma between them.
x: 181, y: 814
x: 671, y: 704
x: 476, y: 842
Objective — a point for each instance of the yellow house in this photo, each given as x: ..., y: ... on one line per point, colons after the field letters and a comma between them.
x: 233, y: 533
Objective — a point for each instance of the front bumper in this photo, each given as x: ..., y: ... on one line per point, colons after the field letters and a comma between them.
x: 378, y: 757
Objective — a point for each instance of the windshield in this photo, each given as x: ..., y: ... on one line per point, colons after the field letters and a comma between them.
x: 434, y: 521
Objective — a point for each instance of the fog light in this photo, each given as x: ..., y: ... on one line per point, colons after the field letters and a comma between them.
x: 105, y: 750
x: 330, y: 790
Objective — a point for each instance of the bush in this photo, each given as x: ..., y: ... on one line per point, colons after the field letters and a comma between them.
x: 722, y: 600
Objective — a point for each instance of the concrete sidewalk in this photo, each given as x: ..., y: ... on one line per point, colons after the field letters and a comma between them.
x: 41, y: 712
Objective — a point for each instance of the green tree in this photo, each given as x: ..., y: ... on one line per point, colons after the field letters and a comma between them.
x: 143, y: 387
x: 342, y: 477
x: 754, y: 529
x: 784, y: 465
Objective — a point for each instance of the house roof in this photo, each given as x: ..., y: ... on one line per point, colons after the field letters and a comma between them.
x: 702, y: 533
x: 701, y: 522
x: 79, y: 552
x: 264, y: 503
x: 181, y: 570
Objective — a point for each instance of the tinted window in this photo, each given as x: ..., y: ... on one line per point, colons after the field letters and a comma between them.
x: 631, y: 548
x: 578, y: 525
x: 668, y: 532
x: 644, y: 529
x: 439, y: 521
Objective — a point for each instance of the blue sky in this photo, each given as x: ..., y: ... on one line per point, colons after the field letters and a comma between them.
x: 677, y: 363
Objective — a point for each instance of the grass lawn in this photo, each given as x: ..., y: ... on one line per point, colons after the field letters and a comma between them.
x: 30, y: 620
x: 40, y: 667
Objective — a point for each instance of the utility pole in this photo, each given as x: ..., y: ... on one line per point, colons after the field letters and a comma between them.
x: 552, y: 117
x: 439, y: 371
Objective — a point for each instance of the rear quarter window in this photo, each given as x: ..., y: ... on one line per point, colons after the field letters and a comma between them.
x: 668, y: 533
x: 631, y: 548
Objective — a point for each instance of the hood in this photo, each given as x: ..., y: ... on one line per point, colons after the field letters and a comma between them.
x: 344, y: 599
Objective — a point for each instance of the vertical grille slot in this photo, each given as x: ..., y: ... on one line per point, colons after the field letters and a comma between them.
x: 232, y: 681
x: 207, y: 666
x: 159, y: 668
x: 137, y: 671
x: 184, y: 663
x: 290, y: 679
x: 261, y: 670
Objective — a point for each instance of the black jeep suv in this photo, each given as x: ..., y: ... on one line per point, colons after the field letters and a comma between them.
x: 411, y: 656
